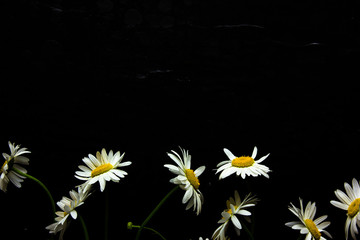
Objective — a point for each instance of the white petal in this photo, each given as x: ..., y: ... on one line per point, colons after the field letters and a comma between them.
x: 73, y: 214
x: 304, y: 231
x: 236, y: 222
x: 244, y: 212
x: 262, y: 158
x: 323, y: 225
x: 188, y: 194
x: 320, y: 219
x: 253, y: 155
x: 89, y: 163
x: 225, y: 166
x: 199, y: 171
x: 102, y: 183
x: 308, y: 236
x: 124, y: 164
x: 356, y: 188
x: 229, y: 154
x: 349, y: 191
x: 343, y: 197
x: 227, y: 172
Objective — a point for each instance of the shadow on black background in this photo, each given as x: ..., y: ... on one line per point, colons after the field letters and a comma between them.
x: 144, y: 77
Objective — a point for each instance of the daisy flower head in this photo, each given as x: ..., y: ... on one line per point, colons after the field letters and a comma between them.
x: 68, y: 208
x: 12, y: 161
x: 101, y: 168
x: 350, y: 202
x: 234, y: 207
x: 187, y: 179
x: 307, y: 225
x: 244, y: 165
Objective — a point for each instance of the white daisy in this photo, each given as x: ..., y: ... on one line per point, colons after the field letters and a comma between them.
x: 102, y: 168
x: 307, y: 225
x: 12, y: 161
x: 243, y: 166
x: 349, y: 203
x: 68, y: 207
x: 187, y: 179
x: 234, y: 207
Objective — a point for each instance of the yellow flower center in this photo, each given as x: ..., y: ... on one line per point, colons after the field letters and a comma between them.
x: 2, y: 167
x: 190, y: 175
x: 242, y: 162
x: 101, y: 169
x: 312, y: 229
x: 229, y: 211
x: 9, y: 162
x: 353, y: 208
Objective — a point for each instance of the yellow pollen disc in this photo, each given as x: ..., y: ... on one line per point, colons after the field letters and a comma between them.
x: 2, y: 167
x: 194, y: 181
x: 353, y: 208
x: 242, y: 162
x: 230, y: 211
x: 312, y: 229
x: 101, y: 169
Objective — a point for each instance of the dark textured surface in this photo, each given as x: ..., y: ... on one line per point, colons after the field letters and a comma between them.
x: 145, y: 77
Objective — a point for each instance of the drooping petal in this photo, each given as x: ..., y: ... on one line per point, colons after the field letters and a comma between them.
x: 236, y: 222
x: 188, y: 194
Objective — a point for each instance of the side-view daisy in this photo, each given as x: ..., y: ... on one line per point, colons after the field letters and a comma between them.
x: 234, y: 207
x: 12, y: 161
x: 68, y: 207
x: 244, y: 165
x: 307, y: 225
x: 187, y: 179
x: 351, y: 204
x: 102, y: 168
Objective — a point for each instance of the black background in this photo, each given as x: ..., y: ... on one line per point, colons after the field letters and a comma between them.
x: 144, y: 77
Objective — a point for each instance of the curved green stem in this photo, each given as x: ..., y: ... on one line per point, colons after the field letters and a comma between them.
x: 154, y: 211
x: 41, y: 184
x: 150, y: 229
x: 86, y: 234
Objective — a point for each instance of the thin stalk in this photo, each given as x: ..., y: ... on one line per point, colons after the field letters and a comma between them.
x: 154, y: 211
x: 248, y: 231
x: 106, y: 221
x: 86, y: 234
x: 41, y: 184
x: 150, y: 229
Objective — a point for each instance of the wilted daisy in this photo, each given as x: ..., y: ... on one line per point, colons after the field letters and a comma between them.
x: 234, y: 207
x: 102, y: 168
x: 187, y: 179
x: 244, y: 165
x: 349, y: 203
x: 12, y: 161
x: 68, y: 207
x: 307, y: 225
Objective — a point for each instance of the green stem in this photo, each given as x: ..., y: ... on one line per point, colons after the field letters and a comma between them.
x: 106, y: 221
x: 86, y: 234
x: 41, y: 184
x: 154, y: 211
x: 150, y: 229
x: 247, y: 231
